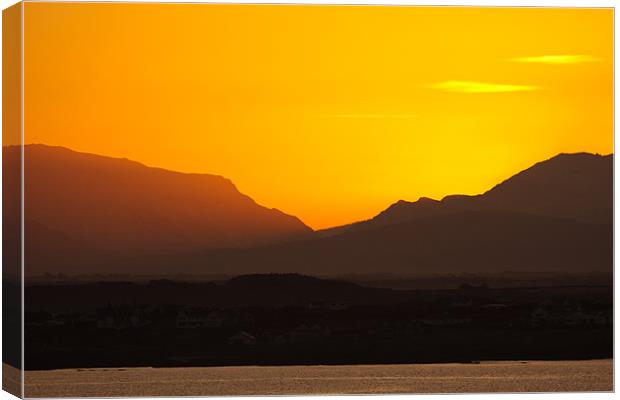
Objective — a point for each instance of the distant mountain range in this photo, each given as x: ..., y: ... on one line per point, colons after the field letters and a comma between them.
x: 92, y: 214
x: 78, y: 205
x: 573, y: 186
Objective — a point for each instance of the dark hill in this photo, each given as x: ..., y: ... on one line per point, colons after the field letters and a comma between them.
x: 84, y: 203
x: 573, y: 186
x: 476, y: 241
x: 117, y: 216
x: 270, y: 290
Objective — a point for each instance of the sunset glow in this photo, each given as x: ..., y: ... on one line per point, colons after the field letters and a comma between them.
x: 328, y: 113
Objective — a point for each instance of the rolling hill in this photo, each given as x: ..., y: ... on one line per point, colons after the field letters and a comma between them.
x: 87, y: 206
x: 88, y: 214
x: 573, y: 186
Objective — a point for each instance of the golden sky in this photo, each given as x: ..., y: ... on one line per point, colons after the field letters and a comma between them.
x: 329, y: 113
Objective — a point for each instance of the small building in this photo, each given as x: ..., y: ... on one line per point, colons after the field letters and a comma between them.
x: 242, y: 338
x: 123, y: 317
x: 566, y: 314
x: 192, y: 318
x: 540, y: 317
x: 327, y: 306
x: 43, y: 318
x: 446, y: 321
x: 495, y: 306
x: 602, y: 318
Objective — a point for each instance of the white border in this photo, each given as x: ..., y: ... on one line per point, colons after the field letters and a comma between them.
x: 481, y: 3
x: 436, y: 3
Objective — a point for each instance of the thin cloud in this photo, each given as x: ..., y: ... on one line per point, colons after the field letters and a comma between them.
x: 372, y: 116
x: 557, y: 59
x: 480, y: 87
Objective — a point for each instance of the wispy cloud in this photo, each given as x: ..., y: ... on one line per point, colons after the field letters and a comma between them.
x: 557, y: 59
x: 479, y: 87
x: 371, y: 116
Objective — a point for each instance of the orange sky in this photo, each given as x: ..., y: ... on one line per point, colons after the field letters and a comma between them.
x: 330, y: 113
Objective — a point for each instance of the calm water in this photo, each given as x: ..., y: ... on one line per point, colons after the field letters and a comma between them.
x: 512, y: 376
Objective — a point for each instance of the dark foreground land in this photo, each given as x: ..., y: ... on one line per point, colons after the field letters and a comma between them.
x: 297, y: 320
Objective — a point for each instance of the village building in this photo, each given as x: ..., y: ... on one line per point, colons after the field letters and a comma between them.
x: 327, y: 306
x: 242, y: 338
x: 123, y: 317
x: 192, y: 318
x: 566, y: 314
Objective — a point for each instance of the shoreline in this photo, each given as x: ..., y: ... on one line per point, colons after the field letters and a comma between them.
x: 486, y: 377
x: 156, y: 367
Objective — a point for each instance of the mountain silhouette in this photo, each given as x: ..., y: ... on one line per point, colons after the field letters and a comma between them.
x: 473, y: 242
x: 89, y: 214
x: 556, y: 216
x: 80, y: 204
x: 574, y: 186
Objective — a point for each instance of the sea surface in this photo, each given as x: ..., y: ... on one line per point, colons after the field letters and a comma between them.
x: 502, y: 376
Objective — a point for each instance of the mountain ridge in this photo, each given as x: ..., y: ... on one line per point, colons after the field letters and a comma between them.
x: 115, y: 205
x: 85, y: 215
x: 403, y: 210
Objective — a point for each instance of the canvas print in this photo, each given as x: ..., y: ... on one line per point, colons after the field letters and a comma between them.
x: 236, y: 199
